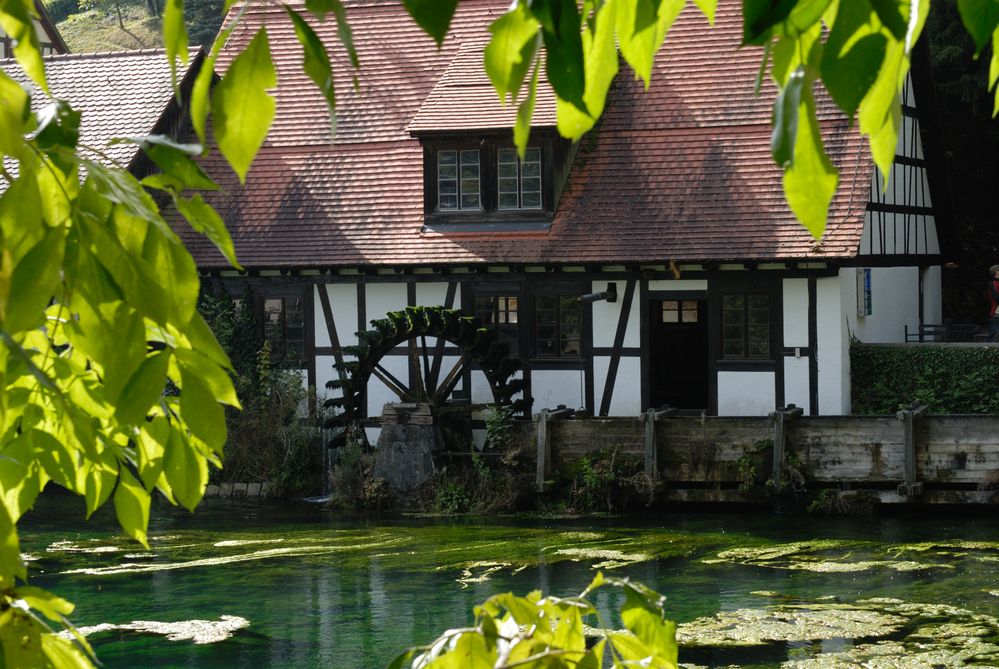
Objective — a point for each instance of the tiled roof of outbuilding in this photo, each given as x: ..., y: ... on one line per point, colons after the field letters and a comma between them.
x: 681, y: 172
x: 120, y: 94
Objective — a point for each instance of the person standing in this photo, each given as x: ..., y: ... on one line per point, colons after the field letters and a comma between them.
x: 993, y: 303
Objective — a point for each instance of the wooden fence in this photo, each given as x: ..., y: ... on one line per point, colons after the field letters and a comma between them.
x: 911, y: 457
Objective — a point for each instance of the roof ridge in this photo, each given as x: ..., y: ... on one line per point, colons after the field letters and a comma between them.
x: 86, y: 55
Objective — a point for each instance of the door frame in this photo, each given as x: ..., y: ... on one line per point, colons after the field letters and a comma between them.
x: 649, y: 297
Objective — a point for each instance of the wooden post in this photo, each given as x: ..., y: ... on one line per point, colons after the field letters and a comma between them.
x: 544, y: 452
x: 651, y: 464
x: 911, y: 487
x: 651, y: 453
x: 781, y: 417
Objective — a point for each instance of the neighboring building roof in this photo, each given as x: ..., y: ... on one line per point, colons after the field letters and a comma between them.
x: 120, y: 94
x: 53, y: 34
x: 681, y: 172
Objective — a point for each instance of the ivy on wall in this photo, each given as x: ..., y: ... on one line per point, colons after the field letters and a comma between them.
x: 947, y: 378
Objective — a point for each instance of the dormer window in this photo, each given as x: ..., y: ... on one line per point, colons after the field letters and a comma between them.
x: 477, y: 182
x: 458, y: 180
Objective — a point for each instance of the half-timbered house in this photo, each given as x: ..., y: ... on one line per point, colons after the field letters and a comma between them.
x: 701, y: 290
x: 49, y: 39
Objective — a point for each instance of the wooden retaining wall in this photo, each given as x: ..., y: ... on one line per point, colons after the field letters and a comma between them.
x: 952, y: 459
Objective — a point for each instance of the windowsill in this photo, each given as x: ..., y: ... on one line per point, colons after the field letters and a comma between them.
x: 745, y: 365
x: 477, y: 224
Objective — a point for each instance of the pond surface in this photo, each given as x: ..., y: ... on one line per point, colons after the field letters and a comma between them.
x: 292, y: 586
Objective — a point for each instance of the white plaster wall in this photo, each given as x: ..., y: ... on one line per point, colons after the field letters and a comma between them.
x: 746, y: 393
x: 343, y: 303
x: 325, y: 373
x: 796, y: 383
x: 382, y: 298
x: 606, y: 315
x: 626, y: 399
x: 378, y: 393
x: 678, y: 284
x: 894, y: 303
x: 832, y: 346
x: 933, y: 294
x: 796, y: 312
x: 433, y: 294
x: 553, y: 387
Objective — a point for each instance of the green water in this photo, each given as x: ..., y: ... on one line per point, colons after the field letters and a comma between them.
x: 316, y: 590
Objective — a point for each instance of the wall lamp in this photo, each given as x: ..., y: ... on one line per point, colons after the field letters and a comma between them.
x: 610, y: 294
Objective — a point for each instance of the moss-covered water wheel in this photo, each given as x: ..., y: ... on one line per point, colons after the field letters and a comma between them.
x: 429, y: 381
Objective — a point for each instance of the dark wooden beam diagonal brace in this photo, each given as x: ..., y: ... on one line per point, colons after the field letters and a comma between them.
x: 622, y: 328
x: 324, y: 301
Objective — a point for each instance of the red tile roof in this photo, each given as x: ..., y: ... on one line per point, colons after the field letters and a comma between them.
x: 120, y: 94
x: 681, y: 172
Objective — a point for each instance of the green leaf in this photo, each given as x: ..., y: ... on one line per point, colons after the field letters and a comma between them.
x: 175, y: 160
x: 525, y: 112
x: 601, y: 63
x: 511, y: 50
x: 434, y: 16
x: 43, y: 601
x: 707, y: 8
x: 561, y: 30
x: 810, y: 181
x: 17, y: 20
x: 169, y: 258
x: 641, y: 28
x: 61, y: 653
x: 10, y: 552
x: 201, y: 410
x: 186, y: 470
x: 594, y: 658
x: 242, y: 110
x: 131, y: 505
x: 203, y: 341
x: 890, y: 14
x: 100, y: 481
x: 174, y: 36
x: 34, y: 281
x: 61, y: 463
x: 20, y: 482
x: 880, y: 110
x: 124, y: 189
x: 761, y: 16
x: 319, y: 9
x: 994, y: 70
x: 980, y: 18
x: 215, y: 377
x: 207, y: 221
x: 143, y: 389
x: 151, y: 444
x: 14, y: 112
x: 785, y: 119
x: 644, y: 618
x: 852, y: 55
x: 58, y: 128
x: 316, y: 62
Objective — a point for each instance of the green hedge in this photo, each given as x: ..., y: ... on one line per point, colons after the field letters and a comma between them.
x: 947, y: 379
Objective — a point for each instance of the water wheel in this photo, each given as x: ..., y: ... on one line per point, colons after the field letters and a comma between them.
x: 429, y: 382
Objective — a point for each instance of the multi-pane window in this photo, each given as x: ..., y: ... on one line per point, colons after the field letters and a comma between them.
x: 519, y: 180
x: 284, y: 326
x: 458, y: 180
x: 680, y: 311
x: 559, y: 325
x: 500, y: 312
x: 746, y: 326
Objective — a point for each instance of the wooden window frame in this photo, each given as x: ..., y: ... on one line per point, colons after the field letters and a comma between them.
x: 519, y: 178
x: 746, y: 325
x: 300, y: 357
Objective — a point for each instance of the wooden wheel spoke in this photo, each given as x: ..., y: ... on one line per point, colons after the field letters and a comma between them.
x: 394, y: 384
x: 450, y: 381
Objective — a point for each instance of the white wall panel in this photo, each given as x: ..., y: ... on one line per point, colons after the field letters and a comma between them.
x: 434, y: 294
x: 553, y: 387
x: 796, y: 383
x: 325, y: 373
x: 832, y: 353
x: 626, y: 398
x: 607, y: 314
x: 678, y: 284
x: 795, y: 312
x: 746, y: 393
x: 932, y: 295
x: 343, y: 303
x: 383, y: 298
x: 894, y: 304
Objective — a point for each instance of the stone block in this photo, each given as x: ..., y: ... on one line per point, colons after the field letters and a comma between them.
x: 239, y: 490
x: 212, y: 490
x: 225, y: 490
x: 253, y: 490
